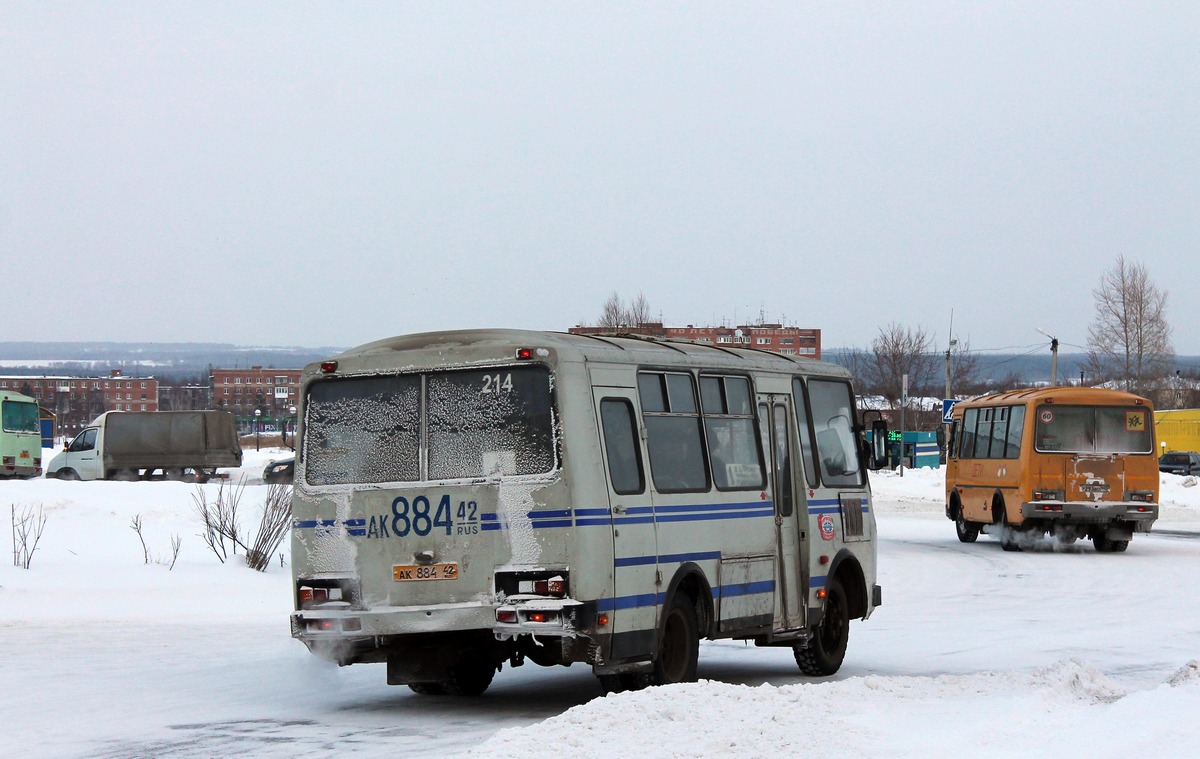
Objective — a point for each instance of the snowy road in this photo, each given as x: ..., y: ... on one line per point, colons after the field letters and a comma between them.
x: 218, y: 673
x: 105, y: 656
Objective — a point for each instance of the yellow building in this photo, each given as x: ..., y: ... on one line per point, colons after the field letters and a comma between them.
x: 1177, y: 430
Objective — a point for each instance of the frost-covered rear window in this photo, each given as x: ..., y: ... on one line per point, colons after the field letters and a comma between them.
x: 363, y: 430
x: 468, y: 423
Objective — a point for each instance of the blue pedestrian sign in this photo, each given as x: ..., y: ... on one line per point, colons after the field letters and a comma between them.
x: 948, y: 405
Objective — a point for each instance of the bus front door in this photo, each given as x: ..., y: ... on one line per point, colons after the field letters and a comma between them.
x: 774, y: 414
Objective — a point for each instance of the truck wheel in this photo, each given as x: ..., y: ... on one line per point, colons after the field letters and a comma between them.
x: 823, y: 654
x: 680, y: 646
x: 68, y: 474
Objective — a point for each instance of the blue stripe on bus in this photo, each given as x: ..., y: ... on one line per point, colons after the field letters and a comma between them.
x: 642, y: 600
x: 745, y: 589
x: 673, y: 558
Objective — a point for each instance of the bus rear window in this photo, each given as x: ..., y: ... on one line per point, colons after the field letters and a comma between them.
x: 1093, y: 429
x: 469, y: 424
x: 20, y: 417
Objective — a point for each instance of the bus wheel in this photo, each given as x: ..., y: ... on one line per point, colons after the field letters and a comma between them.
x: 1104, y: 545
x: 470, y: 677
x: 427, y: 689
x: 680, y: 648
x: 968, y: 532
x: 1008, y: 534
x: 823, y: 655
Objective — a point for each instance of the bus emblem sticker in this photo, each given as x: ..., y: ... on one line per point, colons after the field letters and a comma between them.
x: 827, y: 526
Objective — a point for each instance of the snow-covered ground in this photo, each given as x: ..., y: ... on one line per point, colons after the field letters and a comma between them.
x: 975, y: 652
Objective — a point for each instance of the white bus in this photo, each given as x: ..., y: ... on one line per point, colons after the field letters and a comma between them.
x: 466, y: 499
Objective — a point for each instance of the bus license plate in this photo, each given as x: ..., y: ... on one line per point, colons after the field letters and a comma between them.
x: 410, y: 572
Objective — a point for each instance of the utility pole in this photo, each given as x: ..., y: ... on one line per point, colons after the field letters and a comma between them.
x: 1053, y: 356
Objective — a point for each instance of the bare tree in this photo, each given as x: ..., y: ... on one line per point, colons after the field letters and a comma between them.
x: 1129, y: 339
x: 616, y: 314
x: 964, y: 369
x: 898, y: 351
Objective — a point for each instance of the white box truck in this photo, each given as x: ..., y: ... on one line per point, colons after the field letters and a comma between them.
x: 143, y: 445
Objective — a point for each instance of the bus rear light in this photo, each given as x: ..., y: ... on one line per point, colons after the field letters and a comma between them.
x: 552, y: 586
x: 821, y: 594
x: 524, y: 354
x: 602, y: 620
x: 1144, y: 497
x: 506, y: 615
x: 1050, y: 507
x: 352, y: 625
x: 329, y: 367
x: 320, y: 625
x: 10, y: 460
x: 541, y: 617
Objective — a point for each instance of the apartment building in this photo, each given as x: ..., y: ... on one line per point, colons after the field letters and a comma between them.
x: 76, y: 401
x: 271, y: 392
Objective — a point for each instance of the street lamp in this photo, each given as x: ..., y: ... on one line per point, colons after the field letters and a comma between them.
x: 257, y: 414
x: 292, y: 413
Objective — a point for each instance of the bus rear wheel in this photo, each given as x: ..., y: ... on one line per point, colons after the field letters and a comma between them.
x: 823, y: 655
x: 968, y: 532
x: 1008, y: 533
x: 1104, y: 544
x: 680, y: 648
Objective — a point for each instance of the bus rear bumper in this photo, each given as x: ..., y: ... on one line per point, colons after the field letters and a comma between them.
x: 1140, y: 515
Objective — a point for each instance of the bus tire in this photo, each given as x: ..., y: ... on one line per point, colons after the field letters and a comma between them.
x: 1008, y: 533
x: 1104, y: 545
x: 968, y: 532
x: 471, y: 676
x: 427, y: 689
x: 823, y: 655
x: 679, y: 649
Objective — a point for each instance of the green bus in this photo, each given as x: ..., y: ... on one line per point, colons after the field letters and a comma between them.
x: 20, y: 437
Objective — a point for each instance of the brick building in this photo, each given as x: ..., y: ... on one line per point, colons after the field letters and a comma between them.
x: 790, y: 341
x: 76, y: 401
x: 273, y: 392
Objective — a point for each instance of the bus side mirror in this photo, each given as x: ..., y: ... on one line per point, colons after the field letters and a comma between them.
x: 879, y: 433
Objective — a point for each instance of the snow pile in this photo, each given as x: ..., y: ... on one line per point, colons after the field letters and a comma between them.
x: 1053, y: 711
x: 1189, y: 674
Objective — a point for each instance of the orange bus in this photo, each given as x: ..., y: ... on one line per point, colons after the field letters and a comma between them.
x: 1066, y: 461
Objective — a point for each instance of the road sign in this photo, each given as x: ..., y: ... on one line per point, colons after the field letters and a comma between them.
x: 948, y: 405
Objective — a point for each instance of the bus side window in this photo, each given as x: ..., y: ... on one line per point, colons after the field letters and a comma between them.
x: 800, y: 403
x: 999, y: 432
x: 733, y: 447
x: 967, y: 449
x: 833, y: 415
x: 621, y: 447
x: 951, y: 451
x: 673, y: 437
x: 1016, y: 426
x: 983, y: 433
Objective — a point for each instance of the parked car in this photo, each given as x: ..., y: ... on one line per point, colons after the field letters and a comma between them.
x: 1177, y: 462
x: 280, y: 472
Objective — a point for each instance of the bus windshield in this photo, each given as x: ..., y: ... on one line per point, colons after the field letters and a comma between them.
x: 1093, y: 429
x: 20, y: 416
x: 470, y: 424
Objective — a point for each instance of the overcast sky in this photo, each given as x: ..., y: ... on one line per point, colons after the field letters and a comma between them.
x: 320, y: 174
